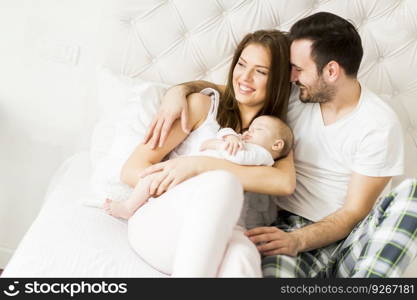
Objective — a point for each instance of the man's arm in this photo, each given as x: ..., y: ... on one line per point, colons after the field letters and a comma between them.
x: 362, y: 194
x: 190, y: 87
x: 174, y: 106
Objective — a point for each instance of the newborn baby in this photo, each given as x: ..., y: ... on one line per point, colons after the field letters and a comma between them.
x: 267, y: 140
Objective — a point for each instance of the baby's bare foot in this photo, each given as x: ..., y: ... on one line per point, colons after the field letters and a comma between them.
x: 117, y: 209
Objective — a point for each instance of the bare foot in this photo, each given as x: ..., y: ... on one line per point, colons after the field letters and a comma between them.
x: 117, y: 209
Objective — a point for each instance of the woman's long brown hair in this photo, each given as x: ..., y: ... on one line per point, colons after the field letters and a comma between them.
x: 278, y: 84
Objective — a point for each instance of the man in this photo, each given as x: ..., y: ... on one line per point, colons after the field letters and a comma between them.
x: 348, y: 146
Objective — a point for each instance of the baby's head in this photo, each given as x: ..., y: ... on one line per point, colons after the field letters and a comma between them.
x: 272, y: 134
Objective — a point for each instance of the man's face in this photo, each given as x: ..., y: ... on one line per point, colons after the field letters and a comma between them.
x: 313, y: 87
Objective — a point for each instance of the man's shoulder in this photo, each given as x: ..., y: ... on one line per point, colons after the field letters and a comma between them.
x: 374, y: 110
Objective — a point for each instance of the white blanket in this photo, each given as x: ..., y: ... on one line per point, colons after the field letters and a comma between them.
x: 68, y: 239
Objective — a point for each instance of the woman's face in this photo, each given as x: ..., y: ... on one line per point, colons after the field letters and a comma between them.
x: 250, y: 75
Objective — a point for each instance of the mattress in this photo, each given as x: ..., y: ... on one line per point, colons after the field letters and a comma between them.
x: 68, y: 239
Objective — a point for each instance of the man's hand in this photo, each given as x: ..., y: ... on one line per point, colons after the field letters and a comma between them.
x: 273, y: 241
x: 232, y: 144
x: 174, y: 105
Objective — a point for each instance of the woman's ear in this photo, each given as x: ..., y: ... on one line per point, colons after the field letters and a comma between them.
x: 278, y: 145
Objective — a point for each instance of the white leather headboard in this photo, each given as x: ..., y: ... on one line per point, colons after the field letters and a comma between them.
x: 173, y: 41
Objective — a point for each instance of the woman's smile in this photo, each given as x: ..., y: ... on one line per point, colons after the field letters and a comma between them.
x: 250, y: 75
x: 245, y: 89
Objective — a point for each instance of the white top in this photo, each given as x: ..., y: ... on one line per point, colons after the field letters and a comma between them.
x: 368, y: 141
x: 205, y: 131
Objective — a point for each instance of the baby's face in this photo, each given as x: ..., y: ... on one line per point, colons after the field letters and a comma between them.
x: 261, y: 133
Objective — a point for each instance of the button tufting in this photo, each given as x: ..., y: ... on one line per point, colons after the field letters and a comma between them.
x: 392, y: 59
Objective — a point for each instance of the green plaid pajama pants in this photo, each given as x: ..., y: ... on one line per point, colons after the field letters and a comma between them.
x: 382, y: 245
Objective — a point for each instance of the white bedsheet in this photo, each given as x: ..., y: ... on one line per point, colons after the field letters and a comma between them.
x: 68, y: 239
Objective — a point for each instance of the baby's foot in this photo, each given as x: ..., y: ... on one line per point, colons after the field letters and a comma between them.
x: 117, y: 209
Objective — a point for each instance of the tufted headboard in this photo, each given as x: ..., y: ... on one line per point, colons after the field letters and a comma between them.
x: 173, y: 41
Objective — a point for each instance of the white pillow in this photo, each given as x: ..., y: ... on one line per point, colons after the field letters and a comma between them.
x: 127, y: 106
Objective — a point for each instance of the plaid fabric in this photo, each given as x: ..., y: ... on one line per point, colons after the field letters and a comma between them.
x: 382, y: 245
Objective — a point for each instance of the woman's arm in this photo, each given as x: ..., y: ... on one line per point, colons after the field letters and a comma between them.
x: 144, y: 156
x: 174, y: 106
x: 276, y: 180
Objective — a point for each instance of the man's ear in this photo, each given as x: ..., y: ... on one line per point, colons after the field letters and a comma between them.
x: 332, y: 71
x: 278, y: 145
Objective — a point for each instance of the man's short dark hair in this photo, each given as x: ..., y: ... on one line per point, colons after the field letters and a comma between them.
x: 334, y: 38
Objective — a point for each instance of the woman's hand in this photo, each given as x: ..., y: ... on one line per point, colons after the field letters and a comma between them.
x: 174, y: 105
x: 171, y: 172
x: 273, y: 241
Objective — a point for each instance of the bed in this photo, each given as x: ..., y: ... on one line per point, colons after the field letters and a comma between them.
x: 70, y: 239
x: 154, y: 39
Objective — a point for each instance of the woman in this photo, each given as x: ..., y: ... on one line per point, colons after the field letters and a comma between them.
x: 190, y: 229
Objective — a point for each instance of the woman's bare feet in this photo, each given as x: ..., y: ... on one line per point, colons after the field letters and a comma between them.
x: 117, y: 209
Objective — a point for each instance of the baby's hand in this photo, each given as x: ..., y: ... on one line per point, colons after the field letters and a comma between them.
x: 232, y: 144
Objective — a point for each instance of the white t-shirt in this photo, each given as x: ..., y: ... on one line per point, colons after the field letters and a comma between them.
x: 368, y: 141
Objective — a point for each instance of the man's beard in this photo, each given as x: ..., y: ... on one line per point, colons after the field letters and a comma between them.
x: 321, y: 93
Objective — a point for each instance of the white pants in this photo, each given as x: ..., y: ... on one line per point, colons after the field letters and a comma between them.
x: 190, y: 231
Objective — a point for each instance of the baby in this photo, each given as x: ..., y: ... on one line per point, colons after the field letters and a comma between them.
x: 267, y: 140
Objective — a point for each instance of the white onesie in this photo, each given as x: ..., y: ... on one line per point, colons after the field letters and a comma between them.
x: 258, y: 209
x: 251, y: 154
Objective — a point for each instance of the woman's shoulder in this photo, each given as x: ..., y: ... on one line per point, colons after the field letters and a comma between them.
x: 198, y: 107
x: 198, y: 100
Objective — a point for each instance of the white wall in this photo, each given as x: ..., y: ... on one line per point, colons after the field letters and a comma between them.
x: 46, y: 96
